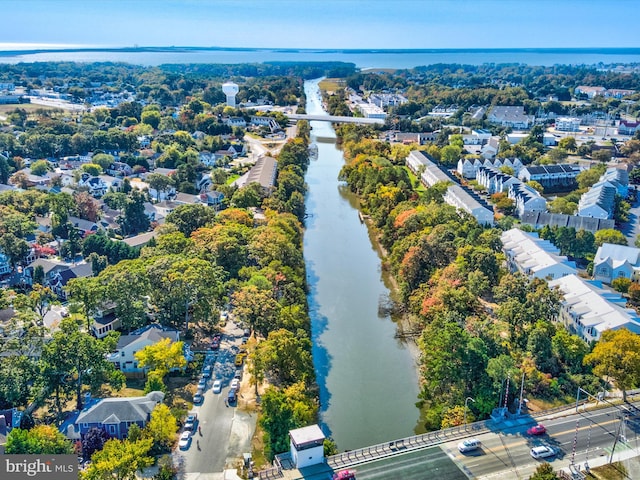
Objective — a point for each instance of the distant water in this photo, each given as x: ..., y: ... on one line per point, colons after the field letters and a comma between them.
x: 364, y: 59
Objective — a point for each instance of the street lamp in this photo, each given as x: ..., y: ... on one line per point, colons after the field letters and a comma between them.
x: 465, y: 410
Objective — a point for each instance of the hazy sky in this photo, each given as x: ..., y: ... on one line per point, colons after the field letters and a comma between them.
x: 324, y: 24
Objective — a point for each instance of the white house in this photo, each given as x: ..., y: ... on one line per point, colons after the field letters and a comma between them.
x: 534, y: 257
x: 568, y: 124
x: 510, y: 116
x: 588, y: 310
x: 123, y: 358
x: 306, y: 446
x: 616, y: 261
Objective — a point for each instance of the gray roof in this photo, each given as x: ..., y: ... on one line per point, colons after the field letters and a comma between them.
x: 539, y: 219
x: 153, y: 332
x: 118, y: 410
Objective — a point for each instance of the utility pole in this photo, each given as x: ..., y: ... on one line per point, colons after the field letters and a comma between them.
x: 615, y: 440
x: 521, y: 392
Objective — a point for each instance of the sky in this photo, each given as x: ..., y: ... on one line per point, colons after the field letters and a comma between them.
x: 324, y: 24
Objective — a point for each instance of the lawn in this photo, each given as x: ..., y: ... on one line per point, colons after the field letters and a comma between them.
x: 331, y: 84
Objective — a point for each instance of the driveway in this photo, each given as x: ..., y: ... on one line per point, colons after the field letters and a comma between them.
x: 226, y: 431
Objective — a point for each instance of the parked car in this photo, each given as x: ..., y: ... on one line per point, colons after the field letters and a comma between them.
x: 206, y: 373
x: 232, y: 396
x: 469, y: 445
x: 543, y: 451
x: 239, y: 359
x: 247, y: 332
x: 198, y: 398
x: 202, y: 384
x: 217, y: 386
x: 537, y: 430
x: 190, y: 422
x: 215, y: 344
x: 185, y: 440
x: 235, y: 384
x: 238, y: 374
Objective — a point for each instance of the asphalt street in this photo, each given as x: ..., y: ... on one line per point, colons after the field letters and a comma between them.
x: 219, y: 422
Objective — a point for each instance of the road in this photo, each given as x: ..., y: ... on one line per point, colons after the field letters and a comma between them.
x: 226, y: 430
x: 506, y: 454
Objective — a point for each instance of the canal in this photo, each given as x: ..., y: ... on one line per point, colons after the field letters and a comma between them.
x: 367, y: 378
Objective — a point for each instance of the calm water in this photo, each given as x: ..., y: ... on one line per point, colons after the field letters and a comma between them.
x: 368, y: 381
x: 375, y: 59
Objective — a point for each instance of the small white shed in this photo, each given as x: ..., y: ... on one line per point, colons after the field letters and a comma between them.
x: 307, y: 446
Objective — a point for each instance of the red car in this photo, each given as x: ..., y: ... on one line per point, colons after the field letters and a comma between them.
x: 345, y: 475
x: 537, y: 430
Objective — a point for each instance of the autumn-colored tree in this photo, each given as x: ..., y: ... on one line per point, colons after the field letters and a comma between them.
x: 41, y: 439
x: 162, y: 356
x: 617, y: 355
x: 161, y: 428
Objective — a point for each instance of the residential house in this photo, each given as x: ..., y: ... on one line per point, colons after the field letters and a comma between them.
x: 105, y: 320
x: 141, y: 239
x: 540, y: 219
x: 534, y: 257
x: 551, y: 177
x: 627, y: 127
x: 119, y: 169
x: 616, y: 261
x: 57, y: 273
x: 491, y: 148
x: 265, y: 121
x: 263, y: 172
x: 115, y: 416
x: 96, y: 186
x: 590, y: 92
x: 235, y: 122
x: 588, y: 310
x: 212, y: 199
x: 5, y: 264
x: 526, y: 198
x: 455, y: 195
x: 123, y: 358
x: 599, y: 200
x: 568, y: 124
x: 510, y: 116
x: 468, y: 168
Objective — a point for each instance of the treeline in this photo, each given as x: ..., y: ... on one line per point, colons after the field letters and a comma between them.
x: 479, y: 324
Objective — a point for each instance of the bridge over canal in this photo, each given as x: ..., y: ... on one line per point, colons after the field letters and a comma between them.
x: 335, y: 119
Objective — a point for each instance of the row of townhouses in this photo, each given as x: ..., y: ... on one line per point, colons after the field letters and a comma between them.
x: 587, y: 309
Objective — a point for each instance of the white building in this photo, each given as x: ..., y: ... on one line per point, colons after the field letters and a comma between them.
x: 616, y: 261
x: 568, y: 124
x: 455, y: 194
x: 510, y: 116
x: 588, y: 310
x: 369, y: 110
x: 599, y: 201
x: 534, y: 257
x: 123, y: 358
x: 306, y: 446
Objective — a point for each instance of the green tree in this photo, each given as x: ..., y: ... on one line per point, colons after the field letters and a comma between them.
x: 73, y: 358
x: 285, y: 357
x: 92, y: 169
x: 40, y: 168
x: 104, y: 160
x: 587, y: 178
x: 134, y: 218
x: 617, y: 355
x: 621, y: 284
x: 544, y: 471
x: 609, y: 235
x: 152, y: 118
x: 119, y: 460
x: 160, y: 183
x: 40, y: 440
x: 162, y: 356
x: 568, y: 143
x: 161, y: 428
x: 188, y: 218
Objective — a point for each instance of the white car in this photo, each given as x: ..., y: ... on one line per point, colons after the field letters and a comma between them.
x: 469, y: 445
x: 217, y: 386
x: 185, y: 440
x: 542, y: 451
x: 235, y: 384
x: 202, y: 384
